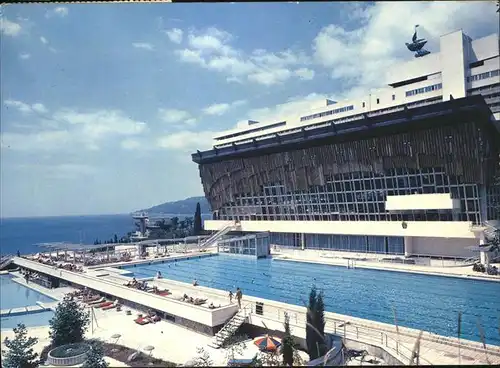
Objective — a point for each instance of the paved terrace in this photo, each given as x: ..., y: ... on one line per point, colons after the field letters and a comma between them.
x: 366, y: 260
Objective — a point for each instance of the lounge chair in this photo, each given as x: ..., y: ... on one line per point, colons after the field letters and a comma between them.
x: 142, y: 321
x: 102, y: 305
x: 109, y: 307
x: 164, y: 293
x: 95, y: 300
x: 200, y: 301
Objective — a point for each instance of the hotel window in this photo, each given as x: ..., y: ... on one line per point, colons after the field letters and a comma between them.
x: 485, y: 75
x: 393, y: 97
x: 326, y: 113
x: 378, y: 101
x: 363, y: 104
x: 418, y: 91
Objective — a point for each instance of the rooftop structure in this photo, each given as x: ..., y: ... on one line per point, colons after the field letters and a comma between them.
x: 461, y: 68
x: 411, y: 169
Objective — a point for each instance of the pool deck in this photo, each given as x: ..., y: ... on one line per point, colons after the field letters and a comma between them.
x: 434, y: 349
x: 452, y: 271
x: 172, y: 342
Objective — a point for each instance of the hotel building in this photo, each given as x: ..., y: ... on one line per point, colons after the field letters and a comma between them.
x: 412, y: 168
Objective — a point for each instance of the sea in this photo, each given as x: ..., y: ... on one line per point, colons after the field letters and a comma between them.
x: 23, y: 234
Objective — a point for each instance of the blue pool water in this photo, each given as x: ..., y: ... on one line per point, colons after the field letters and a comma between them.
x: 29, y: 320
x: 423, y: 302
x: 14, y: 295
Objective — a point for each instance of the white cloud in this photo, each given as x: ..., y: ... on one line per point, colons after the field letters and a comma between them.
x: 175, y: 35
x: 212, y: 49
x: 26, y: 108
x: 191, y: 121
x: 39, y: 108
x: 222, y: 108
x: 60, y: 11
x: 130, y: 144
x: 69, y: 128
x: 44, y: 40
x: 60, y: 171
x: 186, y: 141
x: 143, y: 45
x: 173, y: 115
x: 217, y: 109
x: 38, y: 141
x: 101, y: 123
x: 270, y: 77
x: 294, y: 106
x: 304, y: 73
x: 24, y: 56
x: 190, y: 56
x: 9, y: 28
x: 357, y: 56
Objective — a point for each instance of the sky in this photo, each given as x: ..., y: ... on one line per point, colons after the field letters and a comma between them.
x: 103, y: 104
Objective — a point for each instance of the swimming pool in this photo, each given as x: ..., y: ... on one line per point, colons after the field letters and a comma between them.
x: 423, y: 302
x: 14, y: 295
x: 29, y: 319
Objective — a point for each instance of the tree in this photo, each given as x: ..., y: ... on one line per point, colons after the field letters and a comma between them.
x: 287, y: 347
x: 175, y: 223
x: 95, y: 357
x: 311, y: 335
x: 20, y: 353
x: 69, y: 324
x: 197, y: 226
x: 116, y: 238
x: 267, y: 359
x: 315, y: 325
x: 203, y: 359
x: 235, y: 345
x: 319, y: 322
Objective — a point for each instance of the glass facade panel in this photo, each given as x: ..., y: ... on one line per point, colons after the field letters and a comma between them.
x: 350, y: 197
x: 346, y: 243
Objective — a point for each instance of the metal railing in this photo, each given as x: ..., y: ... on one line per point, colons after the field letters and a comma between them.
x: 222, y: 231
x: 345, y: 329
x: 374, y: 256
x: 5, y: 260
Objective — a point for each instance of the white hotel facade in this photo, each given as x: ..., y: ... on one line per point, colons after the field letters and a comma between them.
x: 412, y: 168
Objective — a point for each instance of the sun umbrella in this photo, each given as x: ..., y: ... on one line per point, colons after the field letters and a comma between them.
x: 267, y: 342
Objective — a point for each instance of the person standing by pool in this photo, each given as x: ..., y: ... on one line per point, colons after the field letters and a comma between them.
x: 230, y: 297
x: 239, y: 295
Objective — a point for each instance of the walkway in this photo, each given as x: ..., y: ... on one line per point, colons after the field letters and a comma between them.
x: 316, y: 257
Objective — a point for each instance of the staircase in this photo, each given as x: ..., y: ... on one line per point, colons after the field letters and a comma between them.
x: 5, y: 261
x: 229, y: 329
x: 220, y: 233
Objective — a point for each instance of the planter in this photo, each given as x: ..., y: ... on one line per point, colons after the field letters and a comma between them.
x: 68, y: 355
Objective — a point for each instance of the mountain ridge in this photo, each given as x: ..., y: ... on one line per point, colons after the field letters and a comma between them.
x: 183, y: 206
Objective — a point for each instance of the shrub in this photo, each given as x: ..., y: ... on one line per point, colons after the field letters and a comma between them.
x: 69, y: 324
x: 20, y: 353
